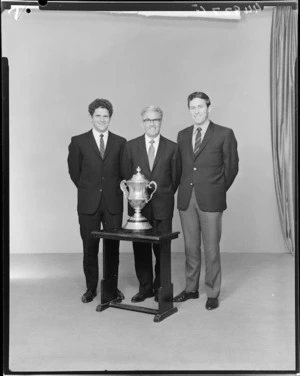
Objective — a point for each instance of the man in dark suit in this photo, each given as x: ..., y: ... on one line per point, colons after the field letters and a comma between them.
x: 157, y: 158
x: 209, y: 157
x: 94, y: 162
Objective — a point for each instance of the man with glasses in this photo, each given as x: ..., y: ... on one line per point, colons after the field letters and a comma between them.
x: 157, y: 158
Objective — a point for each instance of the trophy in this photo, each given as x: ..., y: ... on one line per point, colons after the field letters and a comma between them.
x: 136, y: 193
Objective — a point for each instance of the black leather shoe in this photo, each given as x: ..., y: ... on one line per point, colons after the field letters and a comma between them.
x: 120, y: 295
x: 184, y: 295
x: 88, y: 296
x: 212, y: 303
x: 140, y: 297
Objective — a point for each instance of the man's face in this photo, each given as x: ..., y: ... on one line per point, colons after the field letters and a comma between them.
x: 199, y: 111
x: 152, y: 123
x: 101, y: 119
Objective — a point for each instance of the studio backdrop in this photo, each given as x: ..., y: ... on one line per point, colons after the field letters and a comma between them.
x: 61, y: 61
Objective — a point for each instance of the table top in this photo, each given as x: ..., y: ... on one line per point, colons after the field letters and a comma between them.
x: 148, y: 236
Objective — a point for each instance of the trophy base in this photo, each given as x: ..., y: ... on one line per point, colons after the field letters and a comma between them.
x: 137, y: 224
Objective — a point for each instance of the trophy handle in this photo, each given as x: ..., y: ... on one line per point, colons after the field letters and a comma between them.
x: 123, y: 186
x: 155, y: 188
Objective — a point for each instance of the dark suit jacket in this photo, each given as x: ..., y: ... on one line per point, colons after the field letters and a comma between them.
x: 165, y: 172
x: 211, y: 171
x: 96, y: 177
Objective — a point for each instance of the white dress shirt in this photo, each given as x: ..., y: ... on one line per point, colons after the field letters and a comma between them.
x: 155, y: 144
x: 97, y: 137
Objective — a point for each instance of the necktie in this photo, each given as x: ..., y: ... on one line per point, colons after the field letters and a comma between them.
x: 102, y: 148
x: 197, y: 140
x: 151, y: 152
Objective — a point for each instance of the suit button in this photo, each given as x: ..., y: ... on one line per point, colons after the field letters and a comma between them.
x: 100, y: 190
x: 191, y: 184
x: 195, y: 168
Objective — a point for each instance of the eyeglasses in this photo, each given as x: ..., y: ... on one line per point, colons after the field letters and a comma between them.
x: 149, y: 121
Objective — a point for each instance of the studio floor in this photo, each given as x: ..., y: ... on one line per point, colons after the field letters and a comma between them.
x: 52, y: 330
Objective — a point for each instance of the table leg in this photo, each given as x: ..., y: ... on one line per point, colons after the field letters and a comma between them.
x: 108, y: 287
x: 165, y: 292
x: 107, y: 295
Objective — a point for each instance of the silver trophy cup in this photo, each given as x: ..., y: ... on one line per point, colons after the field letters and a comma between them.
x: 136, y: 193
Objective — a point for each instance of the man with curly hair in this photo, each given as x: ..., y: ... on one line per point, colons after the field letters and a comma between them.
x: 94, y: 166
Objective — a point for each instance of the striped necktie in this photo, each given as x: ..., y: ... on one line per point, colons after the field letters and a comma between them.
x: 198, y: 140
x: 151, y: 152
x: 102, y: 147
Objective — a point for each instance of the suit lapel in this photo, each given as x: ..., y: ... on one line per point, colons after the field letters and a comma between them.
x: 208, y: 135
x: 109, y: 145
x: 159, y: 152
x: 93, y: 143
x: 189, y: 141
x: 144, y: 153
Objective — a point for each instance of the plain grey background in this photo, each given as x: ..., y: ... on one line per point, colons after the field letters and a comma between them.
x: 61, y: 61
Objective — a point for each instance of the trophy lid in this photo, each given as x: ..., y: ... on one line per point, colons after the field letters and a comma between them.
x: 138, y: 177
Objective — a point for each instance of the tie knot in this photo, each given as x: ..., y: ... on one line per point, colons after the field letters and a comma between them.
x: 101, y: 135
x: 152, y: 142
x: 199, y: 129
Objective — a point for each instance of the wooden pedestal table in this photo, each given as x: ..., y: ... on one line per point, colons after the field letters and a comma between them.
x: 165, y: 292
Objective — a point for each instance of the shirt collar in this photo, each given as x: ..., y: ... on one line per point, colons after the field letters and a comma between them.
x: 203, y: 127
x: 156, y: 139
x: 97, y: 133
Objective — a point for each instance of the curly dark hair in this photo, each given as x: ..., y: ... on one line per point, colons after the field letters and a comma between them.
x: 103, y: 103
x: 198, y: 94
